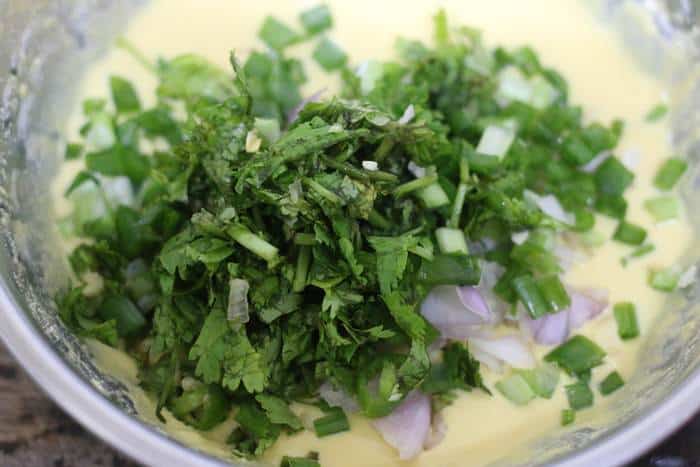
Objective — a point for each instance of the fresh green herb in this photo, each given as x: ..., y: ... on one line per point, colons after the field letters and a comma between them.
x: 670, y: 173
x: 663, y: 208
x: 579, y: 395
x: 577, y: 355
x: 664, y: 280
x: 516, y: 389
x: 272, y: 245
x: 335, y: 421
x: 629, y: 233
x: 658, y: 112
x: 626, y: 318
x: 611, y: 383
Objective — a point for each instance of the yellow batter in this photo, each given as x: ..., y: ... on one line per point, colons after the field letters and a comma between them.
x: 602, y: 78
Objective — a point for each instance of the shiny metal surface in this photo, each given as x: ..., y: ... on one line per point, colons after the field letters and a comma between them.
x: 44, y: 45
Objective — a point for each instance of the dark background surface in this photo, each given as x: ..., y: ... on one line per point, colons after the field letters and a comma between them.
x: 36, y: 433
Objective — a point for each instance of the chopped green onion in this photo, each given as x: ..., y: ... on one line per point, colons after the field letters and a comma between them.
x: 451, y: 241
x: 513, y: 85
x: 611, y: 383
x: 663, y: 208
x: 329, y: 55
x: 629, y: 233
x: 450, y: 270
x: 592, y: 238
x: 626, y: 318
x: 516, y: 389
x: 613, y: 206
x: 316, y: 19
x: 585, y: 220
x: 637, y: 253
x: 496, y: 141
x: 276, y: 34
x: 543, y: 93
x: 554, y: 293
x: 612, y: 177
x: 579, y: 395
x: 299, y: 462
x: 543, y: 380
x: 656, y: 113
x: 665, y: 280
x: 433, y: 196
x: 669, y: 173
x: 577, y: 355
x: 576, y: 152
x: 335, y: 421
x: 568, y: 417
x: 531, y: 296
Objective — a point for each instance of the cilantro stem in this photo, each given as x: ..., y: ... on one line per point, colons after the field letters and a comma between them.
x: 457, y: 206
x: 384, y: 149
x: 359, y: 174
x: 303, y: 261
x: 415, y: 185
x: 254, y: 243
x: 323, y: 191
x: 304, y: 239
x: 379, y: 221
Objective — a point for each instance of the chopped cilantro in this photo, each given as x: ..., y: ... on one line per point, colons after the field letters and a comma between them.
x: 258, y: 246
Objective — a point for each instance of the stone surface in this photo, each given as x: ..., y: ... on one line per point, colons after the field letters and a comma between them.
x: 34, y: 432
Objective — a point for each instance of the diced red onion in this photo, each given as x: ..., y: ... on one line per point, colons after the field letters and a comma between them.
x: 586, y: 305
x: 338, y: 398
x: 408, y: 426
x: 551, y: 329
x: 555, y: 328
x: 473, y: 301
x: 444, y: 309
x: 510, y: 349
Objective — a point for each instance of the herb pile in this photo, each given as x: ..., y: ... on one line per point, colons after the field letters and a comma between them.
x: 252, y: 246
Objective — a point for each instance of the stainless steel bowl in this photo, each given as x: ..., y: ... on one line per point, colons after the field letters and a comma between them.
x: 45, y: 45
